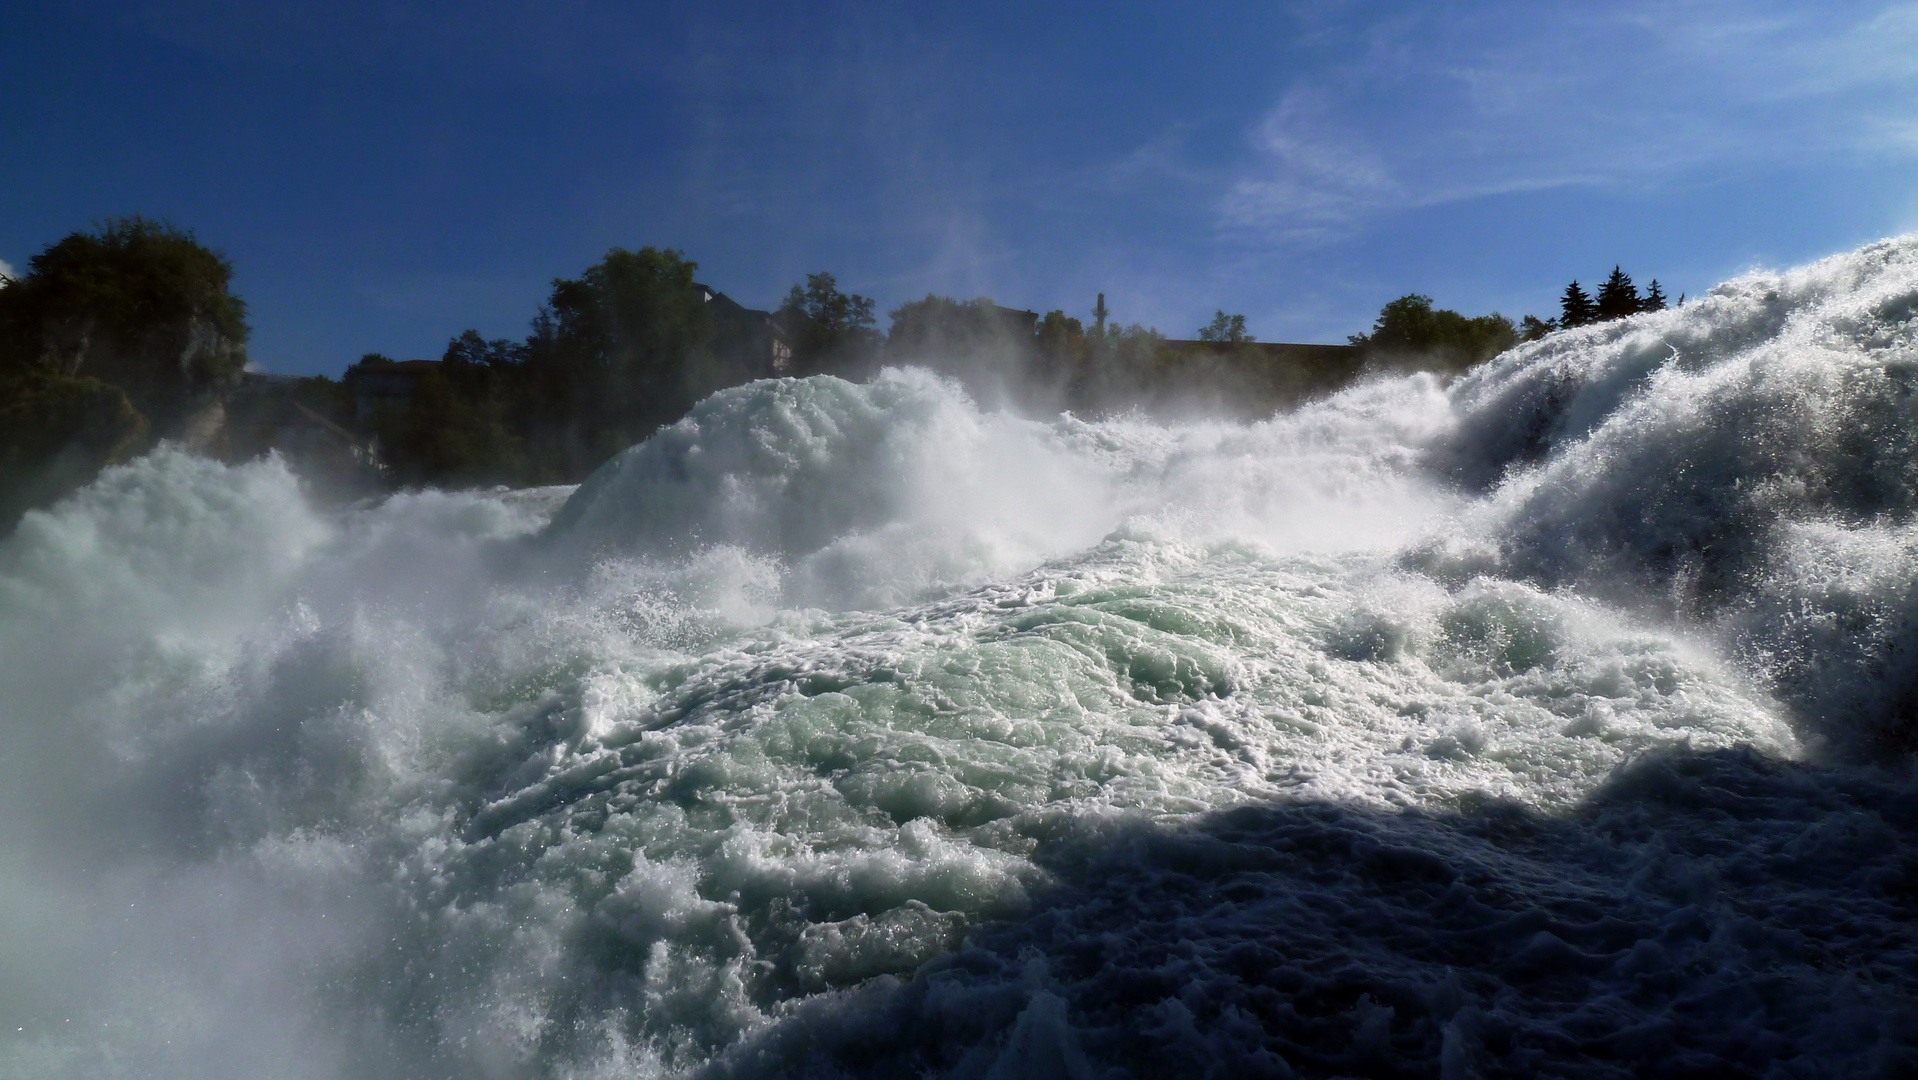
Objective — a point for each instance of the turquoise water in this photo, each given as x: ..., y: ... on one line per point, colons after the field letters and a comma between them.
x: 1551, y: 722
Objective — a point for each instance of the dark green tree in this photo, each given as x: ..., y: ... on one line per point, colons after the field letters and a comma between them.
x: 614, y: 353
x: 1575, y: 307
x: 826, y: 327
x: 1654, y: 298
x: 110, y: 338
x: 1409, y: 332
x: 1133, y: 365
x: 1132, y: 353
x: 1061, y: 335
x: 499, y: 355
x: 1225, y: 329
x: 136, y: 303
x: 1617, y: 298
x: 941, y: 327
x: 56, y: 433
x: 453, y: 433
x: 1531, y: 328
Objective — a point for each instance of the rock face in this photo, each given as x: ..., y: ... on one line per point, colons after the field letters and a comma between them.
x: 171, y: 371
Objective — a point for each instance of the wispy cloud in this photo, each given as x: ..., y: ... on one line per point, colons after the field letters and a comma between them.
x: 1400, y: 112
x: 1318, y: 179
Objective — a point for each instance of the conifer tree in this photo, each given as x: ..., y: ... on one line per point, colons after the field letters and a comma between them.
x: 1654, y: 299
x: 1617, y: 298
x: 1575, y: 308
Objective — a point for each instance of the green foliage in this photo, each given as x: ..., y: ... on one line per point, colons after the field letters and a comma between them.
x: 328, y: 397
x: 1575, y: 307
x: 1410, y: 332
x: 615, y: 353
x: 1654, y: 298
x: 1225, y: 329
x: 499, y: 354
x: 137, y: 303
x: 453, y: 432
x: 108, y: 335
x: 1123, y: 364
x: 1134, y: 341
x: 56, y: 432
x: 940, y: 325
x: 826, y: 325
x: 1617, y: 298
x: 1060, y: 335
x: 1531, y: 328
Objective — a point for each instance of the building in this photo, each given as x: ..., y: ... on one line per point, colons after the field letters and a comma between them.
x: 381, y: 385
x: 1019, y: 324
x: 751, y: 343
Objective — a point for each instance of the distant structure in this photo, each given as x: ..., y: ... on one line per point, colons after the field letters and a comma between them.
x: 1099, y: 314
x: 753, y: 342
x: 385, y: 385
x: 1019, y: 324
x: 264, y: 413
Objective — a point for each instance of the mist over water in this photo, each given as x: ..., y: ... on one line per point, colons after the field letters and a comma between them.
x: 1552, y: 722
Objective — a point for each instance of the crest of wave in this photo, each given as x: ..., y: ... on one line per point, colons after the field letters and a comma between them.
x: 1748, y: 460
x: 869, y: 496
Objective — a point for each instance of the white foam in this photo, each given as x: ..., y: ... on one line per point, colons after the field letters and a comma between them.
x: 788, y: 701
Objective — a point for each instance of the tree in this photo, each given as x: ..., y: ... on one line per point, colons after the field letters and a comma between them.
x: 1060, y: 335
x: 110, y: 338
x: 615, y: 353
x: 56, y: 433
x: 138, y: 304
x: 1131, y: 352
x: 1654, y: 299
x: 1575, y: 308
x: 1225, y: 329
x: 473, y: 351
x: 452, y: 432
x: 1531, y: 328
x: 1617, y: 298
x: 825, y: 324
x: 941, y: 328
x: 1410, y: 332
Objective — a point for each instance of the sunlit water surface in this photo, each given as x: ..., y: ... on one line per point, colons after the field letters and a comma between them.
x: 1550, y: 723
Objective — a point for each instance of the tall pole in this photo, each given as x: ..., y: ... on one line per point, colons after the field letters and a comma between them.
x: 1099, y: 314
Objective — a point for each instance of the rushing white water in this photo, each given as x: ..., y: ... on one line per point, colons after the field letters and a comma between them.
x: 1550, y: 723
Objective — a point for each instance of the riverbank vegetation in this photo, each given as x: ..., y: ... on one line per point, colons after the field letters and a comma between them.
x: 121, y: 336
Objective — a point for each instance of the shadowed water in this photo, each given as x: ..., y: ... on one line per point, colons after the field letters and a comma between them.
x: 1548, y: 723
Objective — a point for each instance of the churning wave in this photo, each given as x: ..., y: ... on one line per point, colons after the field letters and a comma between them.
x: 1554, y: 722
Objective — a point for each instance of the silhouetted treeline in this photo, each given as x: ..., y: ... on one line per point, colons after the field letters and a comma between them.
x: 629, y: 345
x: 634, y: 342
x: 129, y: 333
x: 1616, y: 299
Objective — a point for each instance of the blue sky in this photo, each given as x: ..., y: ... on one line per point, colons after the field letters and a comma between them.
x: 386, y: 175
